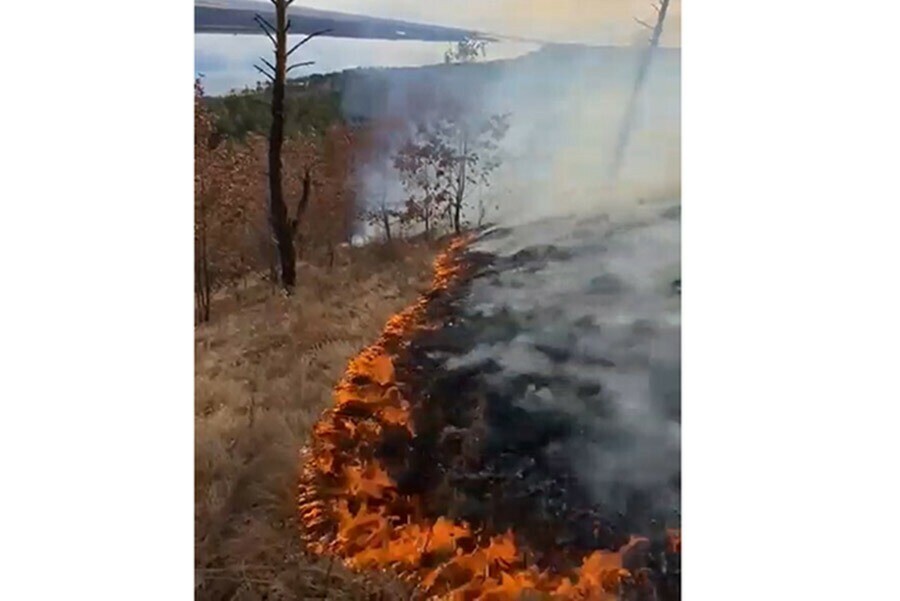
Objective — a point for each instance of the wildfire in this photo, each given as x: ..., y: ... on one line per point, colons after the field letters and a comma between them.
x: 351, y: 507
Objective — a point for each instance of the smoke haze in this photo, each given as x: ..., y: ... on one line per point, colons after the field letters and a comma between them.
x: 566, y: 104
x: 588, y: 283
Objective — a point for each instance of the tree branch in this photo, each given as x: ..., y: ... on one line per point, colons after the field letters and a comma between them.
x: 306, y: 64
x: 265, y: 25
x: 274, y: 72
x: 287, y: 26
x: 258, y: 68
x: 274, y: 43
x: 269, y: 65
x: 644, y: 23
x: 306, y: 39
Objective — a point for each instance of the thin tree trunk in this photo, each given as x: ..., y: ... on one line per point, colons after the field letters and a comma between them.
x: 207, y: 286
x: 198, y: 296
x: 201, y: 267
x: 277, y: 209
x: 301, y: 210
x: 198, y: 290
x: 304, y: 199
x: 385, y: 214
x: 386, y: 223
x: 201, y: 274
x: 628, y: 121
x: 460, y: 186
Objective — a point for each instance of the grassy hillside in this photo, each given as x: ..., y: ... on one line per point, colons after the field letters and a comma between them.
x: 265, y: 368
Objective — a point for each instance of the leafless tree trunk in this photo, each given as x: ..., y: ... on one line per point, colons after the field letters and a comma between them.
x: 282, y: 229
x: 482, y: 211
x: 301, y: 209
x: 460, y: 184
x: 628, y: 121
x: 277, y: 208
x: 386, y: 223
x: 385, y: 218
x: 202, y: 287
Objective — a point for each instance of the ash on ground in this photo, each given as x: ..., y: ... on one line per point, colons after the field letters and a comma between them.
x: 551, y: 394
x: 592, y: 307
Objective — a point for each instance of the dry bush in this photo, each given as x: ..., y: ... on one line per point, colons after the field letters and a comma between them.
x: 233, y: 235
x: 265, y: 368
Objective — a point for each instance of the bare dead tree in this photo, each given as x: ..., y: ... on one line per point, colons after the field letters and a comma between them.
x: 643, y: 67
x: 283, y: 229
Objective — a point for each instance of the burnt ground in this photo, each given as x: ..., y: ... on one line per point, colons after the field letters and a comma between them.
x: 503, y: 448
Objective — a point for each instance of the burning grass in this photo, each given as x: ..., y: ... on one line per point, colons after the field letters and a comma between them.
x: 351, y: 507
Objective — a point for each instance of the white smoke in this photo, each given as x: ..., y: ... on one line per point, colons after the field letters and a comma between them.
x: 566, y: 105
x: 607, y: 305
x: 612, y: 304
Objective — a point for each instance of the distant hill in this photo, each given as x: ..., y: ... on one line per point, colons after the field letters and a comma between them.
x: 312, y: 104
x: 357, y: 95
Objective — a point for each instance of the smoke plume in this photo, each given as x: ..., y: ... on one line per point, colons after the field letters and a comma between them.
x: 590, y: 288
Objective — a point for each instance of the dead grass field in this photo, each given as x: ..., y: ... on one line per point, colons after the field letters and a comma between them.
x: 264, y: 369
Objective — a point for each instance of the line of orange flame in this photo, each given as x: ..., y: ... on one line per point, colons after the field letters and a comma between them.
x: 350, y: 506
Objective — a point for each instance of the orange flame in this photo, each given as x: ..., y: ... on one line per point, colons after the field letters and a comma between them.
x: 350, y: 506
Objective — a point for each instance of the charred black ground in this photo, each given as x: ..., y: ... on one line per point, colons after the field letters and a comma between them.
x: 485, y: 455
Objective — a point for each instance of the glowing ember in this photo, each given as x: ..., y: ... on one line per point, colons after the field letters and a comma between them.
x: 673, y: 541
x: 351, y: 507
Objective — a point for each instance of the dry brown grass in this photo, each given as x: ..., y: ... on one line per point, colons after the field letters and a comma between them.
x: 264, y: 371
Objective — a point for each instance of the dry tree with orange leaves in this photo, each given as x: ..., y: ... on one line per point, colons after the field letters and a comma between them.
x: 453, y: 151
x: 332, y: 204
x: 233, y: 237
x: 221, y: 173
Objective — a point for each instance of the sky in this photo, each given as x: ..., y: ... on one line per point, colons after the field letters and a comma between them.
x: 226, y: 61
